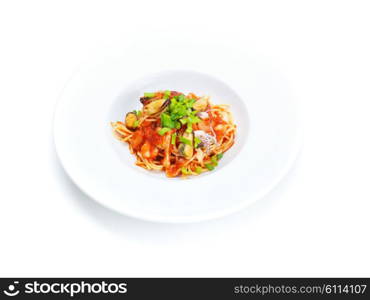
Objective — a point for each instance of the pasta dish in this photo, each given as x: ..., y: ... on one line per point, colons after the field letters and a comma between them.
x: 179, y: 134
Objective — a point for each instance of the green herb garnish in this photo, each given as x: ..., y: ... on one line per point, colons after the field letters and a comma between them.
x: 166, y: 121
x: 214, y: 161
x: 189, y: 128
x: 197, y: 141
x: 167, y: 94
x: 180, y: 110
x: 149, y: 95
x: 162, y: 131
x: 137, y: 113
x: 183, y: 121
x: 136, y: 123
x: 210, y: 167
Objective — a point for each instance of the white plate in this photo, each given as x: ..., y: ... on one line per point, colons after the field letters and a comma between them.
x: 266, y: 145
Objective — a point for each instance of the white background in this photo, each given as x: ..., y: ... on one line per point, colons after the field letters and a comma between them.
x: 315, y: 223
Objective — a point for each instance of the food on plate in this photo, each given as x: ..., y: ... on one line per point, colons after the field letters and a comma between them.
x: 179, y: 134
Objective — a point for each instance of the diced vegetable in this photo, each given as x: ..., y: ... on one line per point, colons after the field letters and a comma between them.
x: 149, y: 95
x: 201, y: 104
x: 189, y: 128
x: 208, y: 141
x: 185, y: 171
x: 210, y: 167
x: 186, y: 150
x: 203, y: 115
x: 219, y: 156
x: 198, y: 170
x: 166, y: 121
x: 155, y: 106
x: 180, y: 109
x: 167, y: 94
x: 186, y: 146
x: 162, y: 131
x: 136, y: 123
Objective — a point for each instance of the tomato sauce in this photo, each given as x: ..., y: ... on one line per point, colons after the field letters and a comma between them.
x: 174, y: 170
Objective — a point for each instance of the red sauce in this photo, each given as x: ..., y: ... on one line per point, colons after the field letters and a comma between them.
x: 174, y: 170
x: 137, y: 140
x: 219, y: 134
x: 149, y: 131
x: 217, y: 118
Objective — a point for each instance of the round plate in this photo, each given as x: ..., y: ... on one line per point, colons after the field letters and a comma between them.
x: 266, y: 145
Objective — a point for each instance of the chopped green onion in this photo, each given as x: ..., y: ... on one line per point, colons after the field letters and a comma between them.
x: 193, y: 119
x: 214, y: 159
x: 173, y: 138
x: 179, y: 113
x: 197, y: 141
x: 149, y: 95
x: 167, y: 94
x: 189, y: 128
x: 210, y: 167
x: 162, y: 131
x: 173, y: 102
x: 185, y: 141
x: 219, y: 156
x: 166, y: 121
x: 137, y: 113
x: 185, y: 171
x: 136, y: 123
x: 198, y: 170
